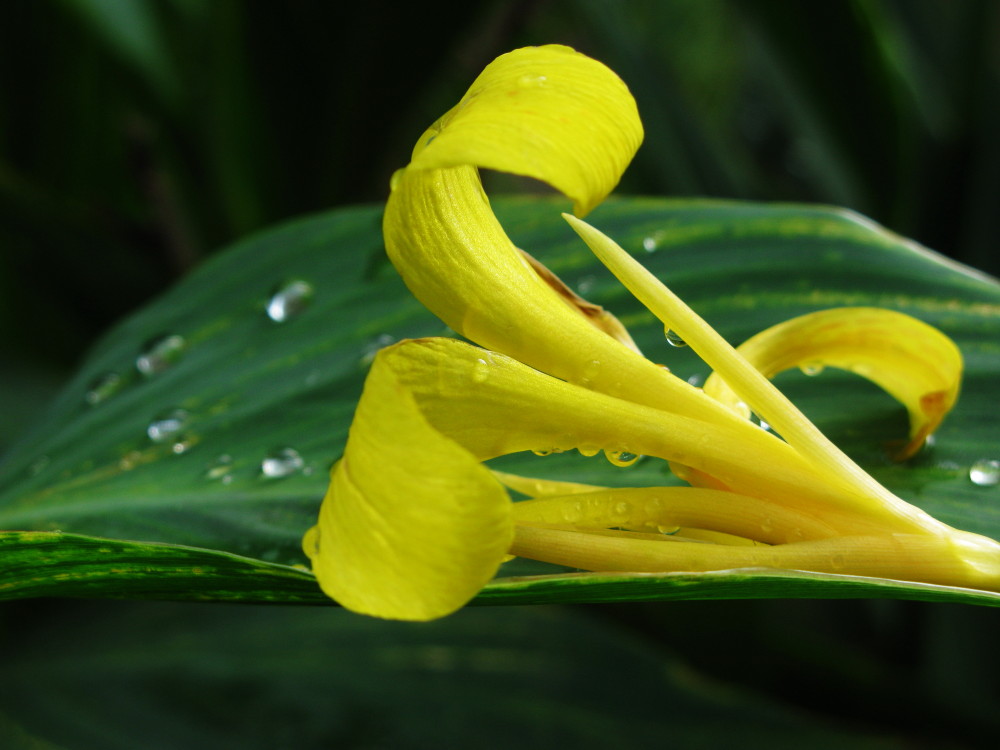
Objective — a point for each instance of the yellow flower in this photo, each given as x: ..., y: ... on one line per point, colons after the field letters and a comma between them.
x: 414, y: 523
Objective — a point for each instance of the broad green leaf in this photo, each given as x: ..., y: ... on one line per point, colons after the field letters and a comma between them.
x: 243, y: 391
x: 166, y: 676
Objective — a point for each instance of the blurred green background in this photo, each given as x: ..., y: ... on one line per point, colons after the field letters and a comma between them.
x: 139, y: 136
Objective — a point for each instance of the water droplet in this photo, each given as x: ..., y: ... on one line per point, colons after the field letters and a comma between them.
x: 221, y: 469
x: 281, y: 463
x: 103, y: 387
x: 289, y: 300
x: 183, y: 445
x: 621, y: 458
x: 673, y: 339
x: 374, y: 346
x: 588, y: 450
x: 811, y: 368
x: 527, y: 81
x: 543, y: 451
x: 586, y: 285
x: 589, y: 372
x: 480, y: 371
x: 159, y: 354
x: 985, y: 472
x: 129, y: 461
x: 649, y: 244
x: 167, y: 426
x: 668, y: 530
x: 696, y: 380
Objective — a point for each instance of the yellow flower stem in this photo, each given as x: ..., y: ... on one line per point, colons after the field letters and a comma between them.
x: 755, y: 389
x: 907, y: 557
x: 669, y: 507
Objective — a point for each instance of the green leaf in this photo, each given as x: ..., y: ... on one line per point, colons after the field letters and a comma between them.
x: 240, y: 388
x: 167, y: 676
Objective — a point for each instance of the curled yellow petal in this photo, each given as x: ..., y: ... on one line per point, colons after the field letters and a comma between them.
x: 544, y: 112
x: 578, y: 131
x: 412, y: 525
x: 912, y: 361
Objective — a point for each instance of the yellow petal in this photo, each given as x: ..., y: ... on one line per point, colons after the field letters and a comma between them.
x: 914, y: 362
x: 412, y: 525
x: 756, y: 390
x: 666, y: 508
x: 542, y: 487
x: 493, y: 405
x: 454, y: 256
x: 957, y: 559
x: 451, y: 251
x: 544, y: 112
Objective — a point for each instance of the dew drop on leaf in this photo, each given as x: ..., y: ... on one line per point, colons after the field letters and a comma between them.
x: 167, y: 425
x: 160, y: 354
x: 985, y: 472
x: 289, y: 300
x: 374, y: 346
x: 221, y: 469
x: 281, y: 463
x: 103, y: 387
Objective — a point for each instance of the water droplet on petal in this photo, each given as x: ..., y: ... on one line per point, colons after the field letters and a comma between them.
x: 167, y: 425
x: 480, y: 371
x: 985, y: 473
x: 103, y: 387
x: 589, y: 372
x: 527, y: 81
x: 588, y: 450
x: 281, y: 463
x: 673, y: 339
x: 289, y: 300
x: 811, y: 368
x: 221, y: 469
x: 621, y: 458
x: 543, y: 451
x: 667, y: 529
x: 159, y: 354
